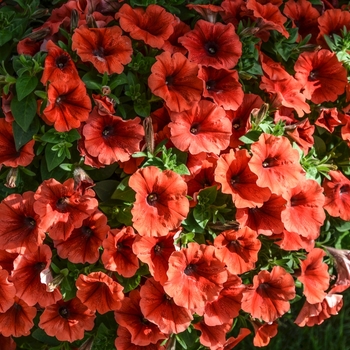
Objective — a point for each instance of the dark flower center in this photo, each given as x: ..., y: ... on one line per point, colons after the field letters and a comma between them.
x: 120, y: 247
x: 39, y: 266
x: 344, y: 189
x: 29, y: 222
x: 268, y: 162
x: 169, y: 80
x: 64, y: 312
x: 107, y: 131
x: 312, y: 76
x: 263, y: 287
x: 211, y: 84
x: 152, y: 199
x: 157, y: 249
x: 99, y: 52
x: 234, y: 180
x: 59, y: 99
x: 194, y: 129
x: 62, y: 205
x: 86, y: 231
x: 62, y: 61
x: 211, y: 48
x: 236, y: 125
x: 190, y: 269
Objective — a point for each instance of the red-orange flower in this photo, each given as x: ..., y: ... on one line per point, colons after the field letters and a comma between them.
x: 19, y: 224
x: 27, y: 280
x: 322, y: 76
x: 7, y: 292
x: 212, y: 336
x: 337, y: 193
x: 263, y: 332
x: 99, y: 292
x: 275, y: 163
x: 238, y: 249
x: 110, y: 138
x: 58, y: 65
x: 152, y: 25
x: 67, y: 320
x: 314, y: 276
x: 203, y: 128
x: 269, y: 297
x: 117, y: 254
x: 17, y: 321
x: 195, y: 276
x: 161, y: 202
x: 82, y: 246
x: 106, y: 48
x: 9, y: 155
x: 68, y: 105
x: 174, y: 79
x: 213, y: 44
x: 329, y: 119
x: 232, y: 341
x: 160, y: 309
x: 236, y: 179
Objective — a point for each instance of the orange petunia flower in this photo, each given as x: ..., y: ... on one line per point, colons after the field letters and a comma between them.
x: 110, y: 138
x: 322, y: 76
x: 160, y: 309
x: 222, y: 86
x: 161, y: 202
x: 7, y: 259
x: 99, y: 292
x: 174, y: 79
x: 153, y: 25
x: 9, y: 155
x: 263, y: 332
x: 18, y: 320
x: 276, y: 163
x: 314, y: 276
x: 304, y: 211
x: 26, y: 277
x: 238, y: 249
x: 62, y: 208
x: 20, y: 227
x: 7, y: 342
x: 329, y: 119
x: 143, y: 332
x: 213, y: 44
x: 203, y: 128
x: 106, y: 48
x: 337, y: 193
x: 268, y: 298
x: 213, y: 337
x: 195, y: 276
x: 67, y: 320
x: 171, y: 44
x: 58, y: 65
x: 236, y: 179
x: 68, y: 105
x: 117, y: 252
x: 293, y: 241
x: 155, y: 252
x: 7, y: 292
x: 82, y: 246
x: 232, y: 341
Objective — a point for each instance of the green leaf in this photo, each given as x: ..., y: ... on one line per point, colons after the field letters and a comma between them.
x: 22, y: 137
x: 5, y: 36
x: 104, y: 189
x: 92, y: 81
x: 142, y: 108
x: 40, y: 335
x: 24, y: 111
x: 201, y: 215
x: 117, y: 80
x: 129, y: 283
x: 25, y: 84
x: 207, y: 195
x: 250, y: 137
x: 53, y: 159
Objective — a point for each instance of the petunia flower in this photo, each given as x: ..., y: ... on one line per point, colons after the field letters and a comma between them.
x: 329, y: 119
x: 160, y: 309
x: 263, y: 332
x: 215, y: 45
x: 236, y: 179
x: 292, y: 241
x: 268, y: 299
x: 238, y: 249
x: 110, y: 139
x: 161, y: 202
x: 232, y: 341
x: 7, y: 259
x: 172, y: 45
x: 67, y: 320
x: 99, y: 292
x: 323, y: 77
x: 143, y: 332
x: 106, y: 48
x: 7, y: 291
x: 117, y: 252
x: 174, y: 79
x: 68, y: 105
x: 9, y: 155
x: 59, y: 66
x: 337, y: 193
x: 20, y: 227
x: 82, y: 246
x: 18, y: 320
x: 152, y: 25
x: 275, y: 163
x: 195, y: 276
x: 203, y: 128
x: 314, y: 276
x: 8, y: 343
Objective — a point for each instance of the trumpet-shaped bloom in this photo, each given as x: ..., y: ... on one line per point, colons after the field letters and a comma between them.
x: 7, y: 292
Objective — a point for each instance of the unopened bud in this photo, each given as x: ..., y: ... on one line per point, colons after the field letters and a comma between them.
x: 149, y: 134
x: 90, y: 21
x: 106, y: 90
x: 82, y: 180
x: 74, y: 20
x: 39, y: 34
x: 11, y: 178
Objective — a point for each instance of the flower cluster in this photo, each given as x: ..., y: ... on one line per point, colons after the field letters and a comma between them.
x: 172, y: 175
